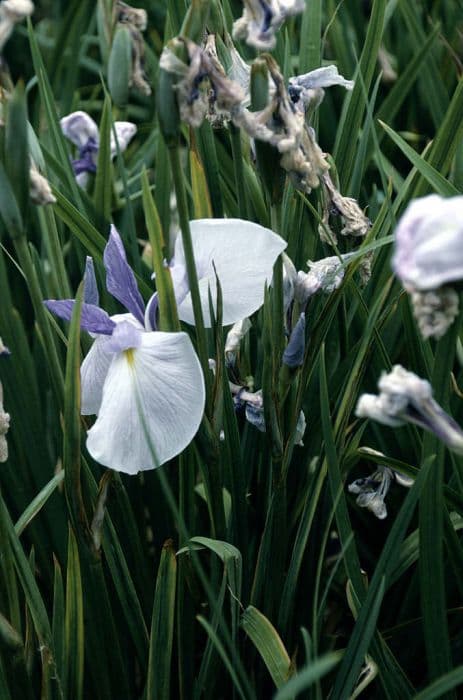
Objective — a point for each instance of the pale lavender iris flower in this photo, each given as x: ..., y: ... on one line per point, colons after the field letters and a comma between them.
x: 80, y: 128
x: 428, y: 250
x: 136, y: 380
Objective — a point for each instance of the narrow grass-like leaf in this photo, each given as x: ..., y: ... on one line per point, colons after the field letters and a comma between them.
x: 307, y: 676
x: 442, y: 685
x: 74, y: 625
x: 268, y: 643
x: 435, y: 179
x: 37, y: 504
x: 103, y: 178
x: 162, y: 627
x: 346, y: 144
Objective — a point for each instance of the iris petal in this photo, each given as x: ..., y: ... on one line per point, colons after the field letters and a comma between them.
x: 92, y: 376
x: 120, y: 279
x: 79, y: 127
x: 125, y: 131
x: 93, y: 319
x: 243, y: 254
x: 158, y: 386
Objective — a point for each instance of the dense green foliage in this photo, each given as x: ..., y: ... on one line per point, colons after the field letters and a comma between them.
x: 243, y: 568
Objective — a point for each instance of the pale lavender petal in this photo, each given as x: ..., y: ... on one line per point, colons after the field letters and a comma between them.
x: 93, y: 319
x: 91, y: 295
x: 79, y: 127
x: 120, y: 279
x: 124, y: 337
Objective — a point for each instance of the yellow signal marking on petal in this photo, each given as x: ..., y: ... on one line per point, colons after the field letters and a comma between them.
x: 130, y: 356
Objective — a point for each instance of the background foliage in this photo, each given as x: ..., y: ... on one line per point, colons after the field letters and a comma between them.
x: 243, y: 568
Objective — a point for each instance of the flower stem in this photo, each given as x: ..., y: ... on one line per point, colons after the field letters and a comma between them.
x: 183, y: 216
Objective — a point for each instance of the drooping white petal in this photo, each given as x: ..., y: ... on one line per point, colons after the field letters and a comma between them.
x: 125, y: 131
x: 158, y: 388
x: 243, y: 254
x: 95, y: 367
x: 79, y: 128
x: 92, y: 376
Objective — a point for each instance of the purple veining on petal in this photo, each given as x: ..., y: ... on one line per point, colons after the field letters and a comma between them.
x: 93, y: 319
x: 120, y: 279
x: 125, y: 337
x: 150, y: 313
x: 91, y: 295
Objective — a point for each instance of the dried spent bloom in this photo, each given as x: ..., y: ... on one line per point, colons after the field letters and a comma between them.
x: 356, y: 223
x: 39, y: 187
x: 135, y: 19
x: 372, y: 490
x: 324, y: 275
x: 4, y: 427
x: 307, y: 90
x: 405, y: 398
x: 283, y: 126
x: 202, y: 86
x: 133, y: 376
x: 12, y: 12
x: 262, y: 18
x: 428, y: 249
x: 82, y: 131
x: 253, y: 403
x: 435, y: 310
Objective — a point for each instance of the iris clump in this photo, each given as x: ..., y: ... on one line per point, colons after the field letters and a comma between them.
x: 223, y: 352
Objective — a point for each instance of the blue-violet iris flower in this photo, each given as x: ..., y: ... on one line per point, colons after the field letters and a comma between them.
x: 80, y: 128
x: 131, y: 369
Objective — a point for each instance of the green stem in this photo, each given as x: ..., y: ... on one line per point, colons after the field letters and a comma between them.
x: 183, y: 216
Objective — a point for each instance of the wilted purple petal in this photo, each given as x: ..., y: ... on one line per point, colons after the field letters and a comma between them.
x: 125, y: 337
x: 91, y: 295
x: 293, y: 355
x: 120, y: 279
x: 93, y: 319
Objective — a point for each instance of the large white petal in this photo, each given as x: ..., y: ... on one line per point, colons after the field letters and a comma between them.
x: 243, y: 254
x: 160, y: 384
x: 93, y: 374
x: 95, y: 367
